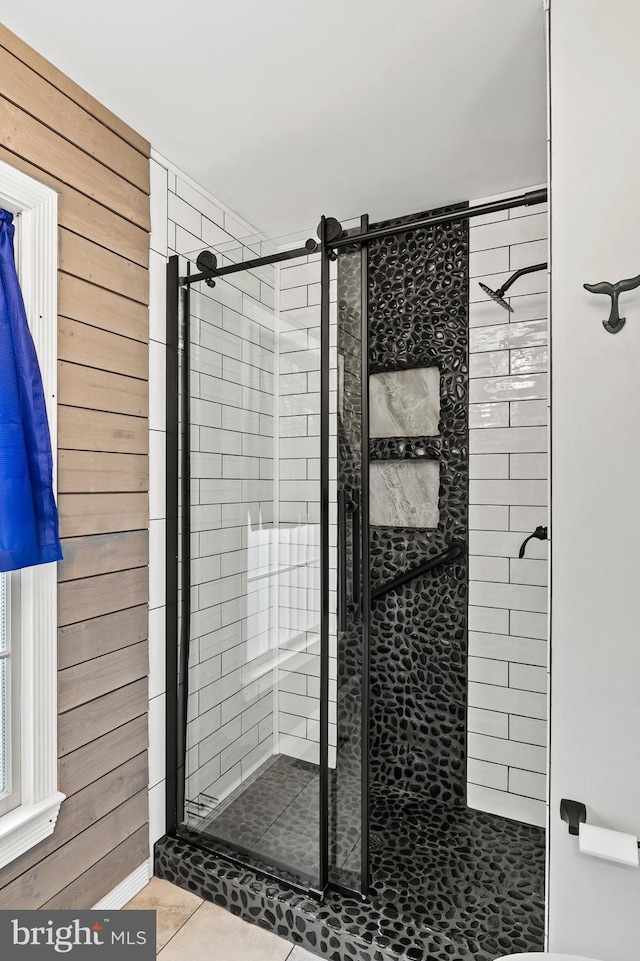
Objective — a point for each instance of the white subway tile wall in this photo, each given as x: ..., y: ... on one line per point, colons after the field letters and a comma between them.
x: 234, y: 553
x: 231, y: 699
x: 508, y: 411
x: 255, y: 470
x: 255, y: 467
x: 298, y: 504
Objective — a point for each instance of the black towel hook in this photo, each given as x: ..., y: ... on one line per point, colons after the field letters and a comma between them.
x: 614, y: 322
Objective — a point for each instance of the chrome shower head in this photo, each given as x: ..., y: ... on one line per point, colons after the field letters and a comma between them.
x: 496, y: 295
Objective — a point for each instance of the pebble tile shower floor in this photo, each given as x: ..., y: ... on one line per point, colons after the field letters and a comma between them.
x: 448, y: 885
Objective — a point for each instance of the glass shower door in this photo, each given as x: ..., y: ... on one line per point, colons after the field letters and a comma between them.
x: 251, y: 608
x: 273, y: 600
x: 349, y: 773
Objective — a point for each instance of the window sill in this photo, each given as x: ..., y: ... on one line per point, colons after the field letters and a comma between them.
x: 25, y: 827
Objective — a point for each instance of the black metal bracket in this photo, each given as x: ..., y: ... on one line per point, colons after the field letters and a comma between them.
x: 540, y: 534
x: 333, y: 230
x: 614, y: 323
x: 574, y: 813
x: 206, y: 262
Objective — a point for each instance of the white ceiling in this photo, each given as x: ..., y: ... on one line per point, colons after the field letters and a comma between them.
x: 287, y: 109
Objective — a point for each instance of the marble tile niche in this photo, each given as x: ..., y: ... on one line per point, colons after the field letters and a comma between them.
x: 404, y: 493
x: 405, y: 403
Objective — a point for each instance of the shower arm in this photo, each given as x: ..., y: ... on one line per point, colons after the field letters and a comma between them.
x: 519, y: 273
x: 451, y: 552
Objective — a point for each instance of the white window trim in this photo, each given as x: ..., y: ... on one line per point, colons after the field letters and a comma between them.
x: 35, y: 818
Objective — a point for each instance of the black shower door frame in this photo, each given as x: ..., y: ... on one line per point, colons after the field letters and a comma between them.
x: 353, y: 568
x: 178, y: 573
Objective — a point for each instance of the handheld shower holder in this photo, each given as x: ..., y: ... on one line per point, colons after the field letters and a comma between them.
x: 540, y: 534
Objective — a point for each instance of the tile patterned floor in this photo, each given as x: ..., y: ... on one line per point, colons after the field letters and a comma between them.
x: 188, y: 927
x: 448, y: 882
x: 273, y: 819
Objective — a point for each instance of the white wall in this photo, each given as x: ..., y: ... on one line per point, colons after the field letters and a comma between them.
x: 254, y: 656
x: 595, y: 621
x: 298, y: 506
x: 184, y: 219
x: 508, y: 418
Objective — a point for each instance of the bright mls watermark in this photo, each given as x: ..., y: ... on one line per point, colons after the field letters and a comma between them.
x: 78, y: 935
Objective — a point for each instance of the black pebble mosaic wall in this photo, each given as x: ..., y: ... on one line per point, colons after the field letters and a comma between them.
x: 404, y: 448
x: 418, y: 317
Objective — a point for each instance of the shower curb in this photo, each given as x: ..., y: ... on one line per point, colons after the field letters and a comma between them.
x: 269, y: 904
x: 278, y: 908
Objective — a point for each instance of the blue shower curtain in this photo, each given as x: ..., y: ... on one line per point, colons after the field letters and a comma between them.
x: 28, y: 514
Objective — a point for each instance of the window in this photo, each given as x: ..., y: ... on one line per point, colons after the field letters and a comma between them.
x: 29, y: 799
x: 9, y: 692
x: 5, y: 696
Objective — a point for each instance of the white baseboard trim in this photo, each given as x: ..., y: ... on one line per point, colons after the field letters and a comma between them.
x: 127, y: 889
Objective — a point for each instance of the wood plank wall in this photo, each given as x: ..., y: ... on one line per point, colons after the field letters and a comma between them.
x: 55, y: 132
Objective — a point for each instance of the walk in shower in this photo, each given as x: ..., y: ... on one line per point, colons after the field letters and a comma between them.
x: 318, y: 460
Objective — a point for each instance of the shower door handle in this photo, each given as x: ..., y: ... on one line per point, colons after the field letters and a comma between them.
x: 355, y: 551
x: 343, y: 547
x: 342, y: 561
